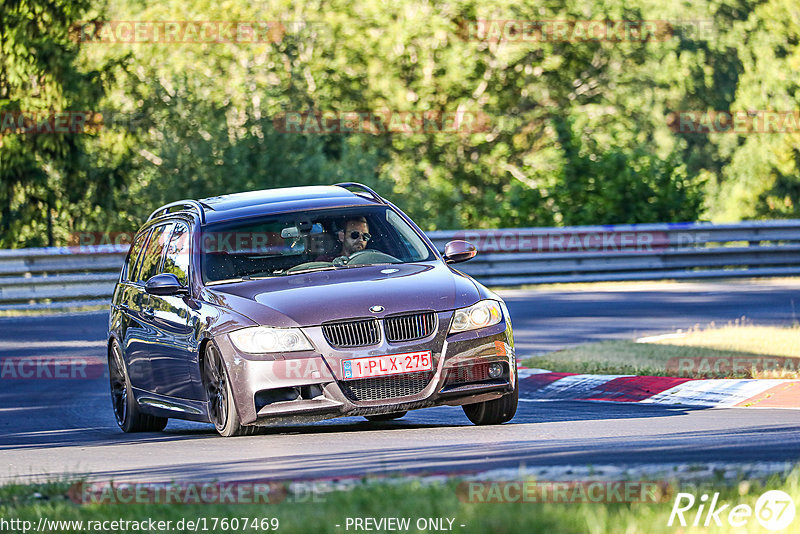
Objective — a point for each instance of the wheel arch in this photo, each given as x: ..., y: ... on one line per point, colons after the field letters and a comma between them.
x: 201, y: 352
x: 112, y: 337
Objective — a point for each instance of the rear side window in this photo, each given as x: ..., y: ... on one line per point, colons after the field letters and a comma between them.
x: 151, y: 261
x: 178, y: 254
x: 136, y: 249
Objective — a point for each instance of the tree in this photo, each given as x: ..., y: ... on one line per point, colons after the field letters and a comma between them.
x: 762, y: 176
x: 44, y: 174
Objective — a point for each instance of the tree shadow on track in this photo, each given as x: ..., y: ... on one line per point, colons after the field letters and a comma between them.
x: 430, y: 418
x: 733, y: 445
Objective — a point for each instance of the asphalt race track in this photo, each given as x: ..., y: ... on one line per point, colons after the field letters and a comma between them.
x: 53, y: 427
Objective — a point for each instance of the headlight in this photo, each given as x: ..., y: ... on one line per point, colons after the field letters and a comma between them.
x: 484, y: 313
x: 261, y: 339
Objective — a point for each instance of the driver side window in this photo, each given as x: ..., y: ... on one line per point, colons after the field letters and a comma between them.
x: 178, y: 255
x: 133, y: 257
x: 151, y: 261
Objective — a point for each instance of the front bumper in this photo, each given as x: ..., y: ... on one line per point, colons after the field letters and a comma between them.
x: 309, y: 386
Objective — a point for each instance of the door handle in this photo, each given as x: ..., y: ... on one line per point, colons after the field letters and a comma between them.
x: 148, y: 312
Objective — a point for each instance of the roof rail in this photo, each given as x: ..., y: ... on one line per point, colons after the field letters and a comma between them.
x: 192, y: 205
x: 364, y: 188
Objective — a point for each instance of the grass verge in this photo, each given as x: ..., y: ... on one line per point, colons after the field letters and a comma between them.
x: 329, y: 513
x: 732, y: 351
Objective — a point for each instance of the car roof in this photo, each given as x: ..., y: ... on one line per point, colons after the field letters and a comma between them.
x: 253, y: 203
x: 238, y: 205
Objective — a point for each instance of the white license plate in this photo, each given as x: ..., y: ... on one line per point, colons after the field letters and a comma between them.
x: 391, y: 364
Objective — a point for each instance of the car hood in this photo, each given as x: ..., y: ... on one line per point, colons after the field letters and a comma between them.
x: 314, y: 298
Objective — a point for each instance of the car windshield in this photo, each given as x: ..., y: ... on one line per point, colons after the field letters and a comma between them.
x: 299, y: 242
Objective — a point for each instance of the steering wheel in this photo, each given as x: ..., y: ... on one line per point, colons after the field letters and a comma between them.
x: 364, y: 257
x: 307, y: 265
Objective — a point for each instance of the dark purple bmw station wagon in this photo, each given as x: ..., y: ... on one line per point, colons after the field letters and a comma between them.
x: 301, y: 304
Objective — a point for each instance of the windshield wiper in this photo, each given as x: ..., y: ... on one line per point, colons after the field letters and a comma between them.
x: 244, y: 278
x: 353, y: 265
x: 225, y: 281
x: 313, y: 269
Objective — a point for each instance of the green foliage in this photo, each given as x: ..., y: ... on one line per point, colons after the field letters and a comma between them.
x: 44, y: 177
x: 577, y: 131
x: 770, y: 49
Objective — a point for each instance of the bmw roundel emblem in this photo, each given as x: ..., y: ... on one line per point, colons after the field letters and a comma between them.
x: 377, y: 309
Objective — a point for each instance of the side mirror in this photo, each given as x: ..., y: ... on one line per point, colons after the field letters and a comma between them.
x: 458, y: 251
x: 165, y: 284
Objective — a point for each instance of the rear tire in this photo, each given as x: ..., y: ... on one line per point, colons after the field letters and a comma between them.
x: 221, y: 409
x: 385, y: 416
x: 126, y: 410
x: 495, y: 412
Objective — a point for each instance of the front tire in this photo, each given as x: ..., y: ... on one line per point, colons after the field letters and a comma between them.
x: 495, y: 412
x: 221, y: 409
x: 126, y: 410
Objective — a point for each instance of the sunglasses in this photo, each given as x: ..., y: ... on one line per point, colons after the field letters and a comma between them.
x: 365, y: 235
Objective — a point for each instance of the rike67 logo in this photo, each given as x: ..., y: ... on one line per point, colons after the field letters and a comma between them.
x: 774, y: 510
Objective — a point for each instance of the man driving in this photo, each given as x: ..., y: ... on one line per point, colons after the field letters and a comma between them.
x: 353, y: 237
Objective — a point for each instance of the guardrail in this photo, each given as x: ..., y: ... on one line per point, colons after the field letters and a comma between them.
x: 79, y: 276
x: 56, y: 277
